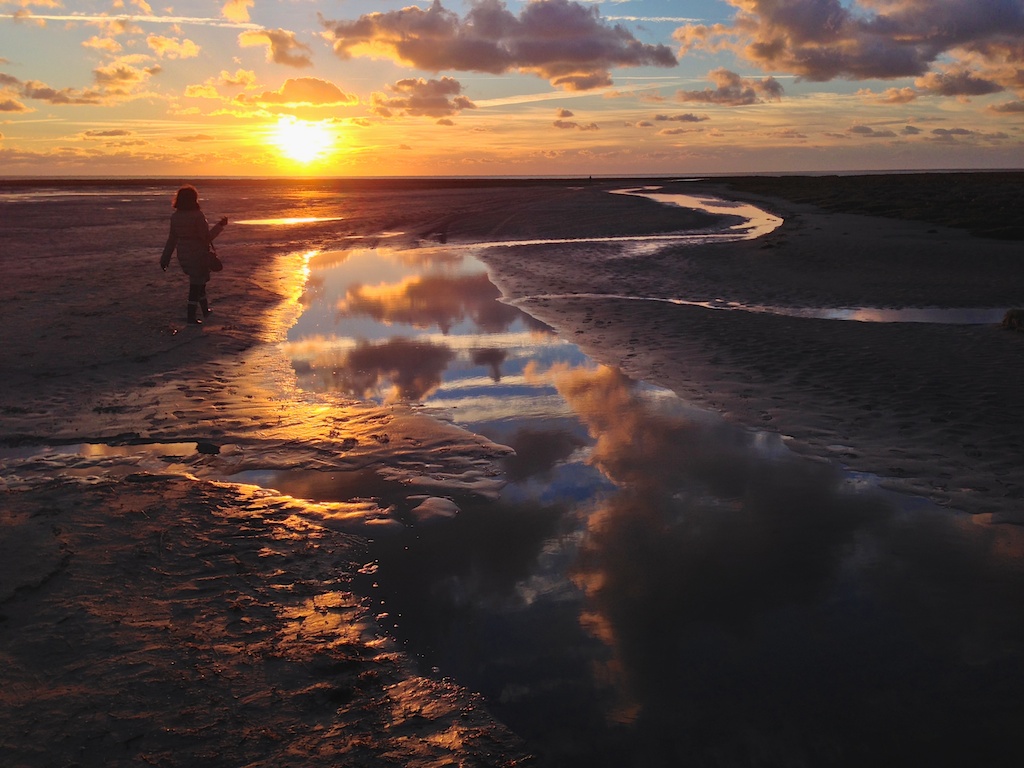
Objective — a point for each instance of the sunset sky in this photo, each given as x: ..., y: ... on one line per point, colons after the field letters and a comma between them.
x: 499, y: 87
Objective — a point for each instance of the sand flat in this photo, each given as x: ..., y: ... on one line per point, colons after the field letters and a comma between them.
x: 167, y: 613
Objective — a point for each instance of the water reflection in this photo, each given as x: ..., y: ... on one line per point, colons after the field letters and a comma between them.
x: 415, y: 326
x: 656, y: 587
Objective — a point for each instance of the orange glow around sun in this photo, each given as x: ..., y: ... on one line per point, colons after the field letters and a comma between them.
x: 302, y: 141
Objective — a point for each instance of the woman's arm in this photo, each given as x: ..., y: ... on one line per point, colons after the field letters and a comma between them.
x: 218, y: 228
x: 165, y: 258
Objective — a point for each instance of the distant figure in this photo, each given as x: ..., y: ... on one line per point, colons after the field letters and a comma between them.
x: 192, y: 236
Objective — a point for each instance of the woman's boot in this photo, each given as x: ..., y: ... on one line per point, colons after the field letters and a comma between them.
x: 193, y: 306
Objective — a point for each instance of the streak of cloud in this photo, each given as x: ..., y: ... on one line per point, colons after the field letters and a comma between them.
x: 126, y: 18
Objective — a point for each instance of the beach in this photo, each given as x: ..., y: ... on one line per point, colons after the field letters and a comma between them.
x: 154, y: 610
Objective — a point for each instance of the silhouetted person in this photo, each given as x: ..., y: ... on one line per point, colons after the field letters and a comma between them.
x: 192, y: 236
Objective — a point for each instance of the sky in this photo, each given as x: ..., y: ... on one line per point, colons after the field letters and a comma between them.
x: 500, y: 87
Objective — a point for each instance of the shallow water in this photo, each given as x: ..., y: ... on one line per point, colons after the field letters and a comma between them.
x: 655, y: 586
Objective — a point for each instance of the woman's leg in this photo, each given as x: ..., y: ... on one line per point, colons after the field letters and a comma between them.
x: 203, y: 303
x: 195, y: 290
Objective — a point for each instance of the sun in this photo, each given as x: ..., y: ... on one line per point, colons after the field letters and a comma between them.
x: 301, y: 140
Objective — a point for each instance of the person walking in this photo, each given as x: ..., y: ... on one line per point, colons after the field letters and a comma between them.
x: 192, y: 237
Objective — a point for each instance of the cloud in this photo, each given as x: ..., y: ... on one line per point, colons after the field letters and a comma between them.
x: 787, y: 133
x: 303, y: 92
x: 822, y: 40
x: 106, y: 134
x: 571, y: 124
x: 960, y: 83
x: 890, y: 95
x: 33, y: 89
x: 732, y: 90
x: 563, y: 113
x: 237, y: 10
x: 245, y: 78
x: 1009, y: 108
x: 121, y: 78
x: 563, y: 41
x: 422, y: 98
x: 281, y: 45
x: 172, y: 47
x: 952, y: 135
x: 106, y: 44
x: 687, y: 117
x: 206, y: 90
x: 13, y: 105
x: 870, y: 133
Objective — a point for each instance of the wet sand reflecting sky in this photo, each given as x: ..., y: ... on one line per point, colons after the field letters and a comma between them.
x: 655, y: 586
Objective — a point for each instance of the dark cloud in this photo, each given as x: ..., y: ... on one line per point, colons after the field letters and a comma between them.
x: 573, y: 125
x: 687, y: 117
x: 732, y: 90
x: 826, y: 39
x: 491, y: 358
x: 422, y: 98
x: 413, y: 368
x: 117, y: 78
x: 566, y: 42
x: 33, y: 89
x: 1009, y: 107
x: 871, y: 133
x: 12, y: 105
x: 106, y: 134
x: 960, y: 83
x: 538, y: 452
x: 303, y: 91
x: 282, y: 46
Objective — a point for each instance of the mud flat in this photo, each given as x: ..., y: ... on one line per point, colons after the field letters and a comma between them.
x: 152, y: 612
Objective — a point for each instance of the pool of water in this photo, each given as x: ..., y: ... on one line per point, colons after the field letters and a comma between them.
x: 655, y: 586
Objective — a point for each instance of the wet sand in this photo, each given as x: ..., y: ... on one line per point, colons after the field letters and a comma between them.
x: 167, y: 617
x: 930, y: 408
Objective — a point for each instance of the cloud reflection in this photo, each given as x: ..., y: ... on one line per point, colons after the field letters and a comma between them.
x: 767, y: 602
x: 442, y: 301
x: 411, y: 369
